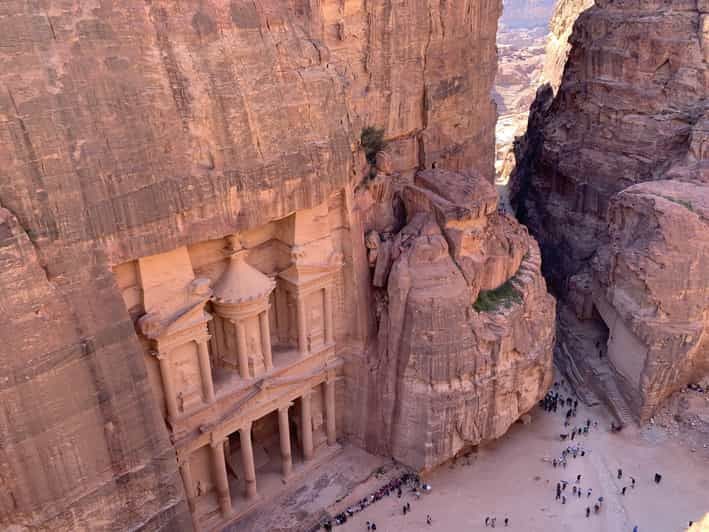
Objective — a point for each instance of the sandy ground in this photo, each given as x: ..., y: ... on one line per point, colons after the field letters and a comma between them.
x: 509, y: 478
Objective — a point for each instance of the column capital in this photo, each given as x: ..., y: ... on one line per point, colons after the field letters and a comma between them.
x: 246, y: 426
x: 216, y: 441
x: 285, y: 406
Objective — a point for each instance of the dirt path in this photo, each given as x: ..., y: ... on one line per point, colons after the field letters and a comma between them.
x: 510, y: 479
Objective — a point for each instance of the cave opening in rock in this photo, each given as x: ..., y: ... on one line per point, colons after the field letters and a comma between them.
x: 603, y: 332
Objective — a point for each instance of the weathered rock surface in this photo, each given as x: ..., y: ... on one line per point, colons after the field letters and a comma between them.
x: 652, y: 289
x: 631, y: 109
x: 442, y: 375
x: 129, y: 129
x: 82, y: 441
x: 557, y: 47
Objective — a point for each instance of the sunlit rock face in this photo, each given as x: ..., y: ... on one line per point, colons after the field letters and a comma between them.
x: 630, y: 110
x: 444, y: 373
x: 652, y: 287
x: 557, y: 46
x: 131, y: 131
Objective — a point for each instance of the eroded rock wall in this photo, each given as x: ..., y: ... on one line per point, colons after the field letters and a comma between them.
x: 444, y: 375
x: 631, y: 109
x: 129, y: 129
x: 652, y: 289
x: 557, y: 48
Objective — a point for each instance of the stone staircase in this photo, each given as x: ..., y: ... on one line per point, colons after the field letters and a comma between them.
x: 615, y: 400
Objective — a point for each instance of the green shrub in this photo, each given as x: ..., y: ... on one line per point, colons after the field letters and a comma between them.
x: 372, y: 140
x: 504, y: 295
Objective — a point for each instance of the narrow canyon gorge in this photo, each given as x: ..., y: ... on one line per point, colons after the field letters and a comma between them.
x: 245, y: 242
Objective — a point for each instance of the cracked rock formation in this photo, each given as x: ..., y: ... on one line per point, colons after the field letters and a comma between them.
x: 606, y: 173
x: 444, y: 376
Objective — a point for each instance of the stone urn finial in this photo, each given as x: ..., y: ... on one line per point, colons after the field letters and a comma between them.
x: 241, y: 282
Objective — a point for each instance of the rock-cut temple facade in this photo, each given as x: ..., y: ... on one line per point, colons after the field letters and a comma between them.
x: 242, y: 359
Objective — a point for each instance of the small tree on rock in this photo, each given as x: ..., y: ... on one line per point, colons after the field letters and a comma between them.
x: 372, y: 140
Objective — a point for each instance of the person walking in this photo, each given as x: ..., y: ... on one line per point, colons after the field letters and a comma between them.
x: 588, y: 511
x: 620, y: 474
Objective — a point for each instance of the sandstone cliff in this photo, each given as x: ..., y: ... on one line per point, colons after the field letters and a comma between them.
x: 653, y: 288
x: 130, y: 129
x: 454, y: 368
x: 557, y: 48
x: 631, y: 109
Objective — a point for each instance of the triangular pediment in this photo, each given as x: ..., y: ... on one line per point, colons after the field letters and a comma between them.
x: 186, y: 318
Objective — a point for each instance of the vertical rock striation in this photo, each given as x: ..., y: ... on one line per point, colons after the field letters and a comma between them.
x: 631, y: 109
x: 557, y: 49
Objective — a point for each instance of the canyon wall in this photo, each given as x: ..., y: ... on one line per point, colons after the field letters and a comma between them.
x: 452, y: 368
x: 631, y: 110
x: 557, y: 47
x: 132, y: 129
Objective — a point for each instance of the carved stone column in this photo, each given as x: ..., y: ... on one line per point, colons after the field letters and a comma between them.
x: 247, y: 458
x: 330, y: 411
x: 329, y: 319
x: 302, y: 325
x: 188, y: 481
x: 307, y: 425
x: 205, y: 371
x: 284, y: 433
x: 265, y: 328
x: 168, y: 385
x: 241, y: 350
x: 220, y: 478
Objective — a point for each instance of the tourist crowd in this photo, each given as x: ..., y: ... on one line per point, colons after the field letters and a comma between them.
x: 409, y: 481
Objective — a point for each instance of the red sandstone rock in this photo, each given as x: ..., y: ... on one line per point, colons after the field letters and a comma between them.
x: 652, y: 289
x: 445, y: 376
x: 557, y: 49
x: 631, y: 110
